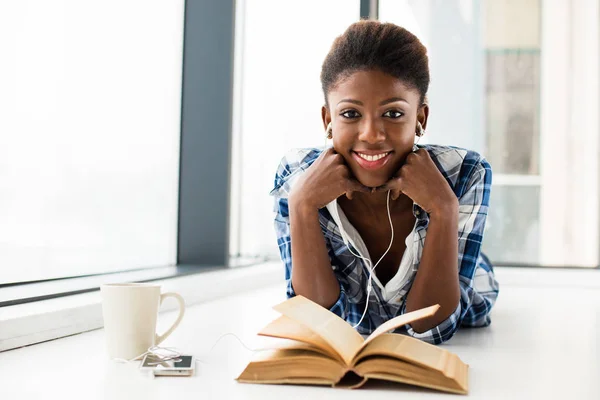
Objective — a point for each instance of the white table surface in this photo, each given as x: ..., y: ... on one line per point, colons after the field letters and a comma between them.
x: 544, y: 342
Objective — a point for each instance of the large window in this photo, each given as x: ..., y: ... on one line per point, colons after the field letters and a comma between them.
x: 516, y: 80
x: 89, y: 136
x: 512, y: 47
x: 280, y: 48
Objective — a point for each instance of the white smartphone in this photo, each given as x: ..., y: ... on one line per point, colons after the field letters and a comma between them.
x: 181, y: 366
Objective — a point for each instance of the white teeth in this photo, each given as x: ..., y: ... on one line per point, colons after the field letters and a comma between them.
x: 372, y: 158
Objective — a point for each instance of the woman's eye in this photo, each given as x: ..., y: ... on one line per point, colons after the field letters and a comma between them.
x: 393, y: 114
x: 350, y: 114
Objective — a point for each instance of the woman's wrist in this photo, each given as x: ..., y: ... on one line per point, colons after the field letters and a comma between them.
x: 300, y: 205
x: 446, y: 209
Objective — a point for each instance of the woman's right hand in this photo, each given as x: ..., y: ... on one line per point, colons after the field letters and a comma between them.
x: 324, y: 181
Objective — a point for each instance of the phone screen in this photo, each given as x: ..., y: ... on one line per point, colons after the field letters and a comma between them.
x: 155, y: 362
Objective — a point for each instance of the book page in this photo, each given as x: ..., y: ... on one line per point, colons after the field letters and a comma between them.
x: 286, y: 328
x: 408, y: 349
x: 290, y: 344
x: 336, y: 332
x: 406, y: 357
x: 292, y: 366
x: 402, y: 320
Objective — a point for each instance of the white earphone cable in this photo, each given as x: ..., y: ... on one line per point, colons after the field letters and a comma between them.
x: 162, y: 354
x: 369, y: 263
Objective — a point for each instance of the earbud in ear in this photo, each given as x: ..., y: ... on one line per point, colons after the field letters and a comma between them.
x: 420, y: 131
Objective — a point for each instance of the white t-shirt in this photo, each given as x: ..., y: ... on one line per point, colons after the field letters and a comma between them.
x: 351, y: 235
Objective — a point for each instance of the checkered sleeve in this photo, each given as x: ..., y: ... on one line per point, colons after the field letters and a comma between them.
x: 476, y: 301
x: 282, y: 230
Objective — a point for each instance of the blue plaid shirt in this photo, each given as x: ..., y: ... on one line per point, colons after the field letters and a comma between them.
x: 470, y: 177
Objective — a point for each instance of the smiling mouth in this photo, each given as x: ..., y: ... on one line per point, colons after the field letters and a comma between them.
x: 371, y: 161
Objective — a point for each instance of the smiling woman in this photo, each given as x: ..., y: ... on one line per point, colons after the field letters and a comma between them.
x: 371, y: 128
x: 377, y: 195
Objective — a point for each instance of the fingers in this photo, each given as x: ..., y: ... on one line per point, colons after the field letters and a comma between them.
x: 394, y: 193
x: 383, y: 188
x: 328, y: 151
x: 356, y: 186
x: 394, y: 185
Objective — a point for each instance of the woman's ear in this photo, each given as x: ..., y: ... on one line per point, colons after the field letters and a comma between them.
x: 326, y: 117
x: 423, y: 115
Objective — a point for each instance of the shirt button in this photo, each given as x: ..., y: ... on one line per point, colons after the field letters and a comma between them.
x: 418, y: 212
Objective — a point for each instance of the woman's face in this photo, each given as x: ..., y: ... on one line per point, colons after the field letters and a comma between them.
x: 374, y: 121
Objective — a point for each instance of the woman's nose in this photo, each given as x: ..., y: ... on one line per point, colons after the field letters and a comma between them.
x: 371, y: 132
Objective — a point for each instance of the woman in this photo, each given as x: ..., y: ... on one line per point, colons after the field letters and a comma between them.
x: 412, y: 214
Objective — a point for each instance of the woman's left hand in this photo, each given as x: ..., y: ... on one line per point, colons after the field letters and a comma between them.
x: 421, y: 180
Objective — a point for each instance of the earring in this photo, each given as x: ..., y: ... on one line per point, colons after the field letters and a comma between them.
x: 329, y: 131
x: 420, y: 131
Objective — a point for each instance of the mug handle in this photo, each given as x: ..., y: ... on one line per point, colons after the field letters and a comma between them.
x: 159, y: 338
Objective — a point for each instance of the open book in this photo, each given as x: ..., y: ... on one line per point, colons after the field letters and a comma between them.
x: 323, y: 349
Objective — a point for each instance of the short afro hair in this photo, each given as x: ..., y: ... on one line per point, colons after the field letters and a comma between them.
x: 373, y: 45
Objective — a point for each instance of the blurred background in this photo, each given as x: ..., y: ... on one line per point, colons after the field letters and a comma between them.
x: 90, y: 123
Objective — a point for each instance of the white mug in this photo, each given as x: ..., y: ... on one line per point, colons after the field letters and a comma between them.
x: 130, y: 311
